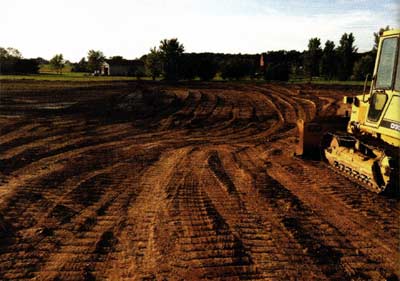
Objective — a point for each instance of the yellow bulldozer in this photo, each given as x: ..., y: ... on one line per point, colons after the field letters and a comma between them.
x: 363, y: 143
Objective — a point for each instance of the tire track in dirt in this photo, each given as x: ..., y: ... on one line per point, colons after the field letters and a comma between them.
x: 321, y: 240
x: 192, y: 181
x: 258, y: 228
x: 351, y: 211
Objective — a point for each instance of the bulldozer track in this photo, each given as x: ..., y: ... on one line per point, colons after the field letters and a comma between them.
x: 147, y: 181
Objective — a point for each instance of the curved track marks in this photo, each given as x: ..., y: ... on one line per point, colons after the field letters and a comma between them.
x: 184, y: 182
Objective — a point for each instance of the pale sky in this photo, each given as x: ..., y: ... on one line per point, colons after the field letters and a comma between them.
x: 131, y: 27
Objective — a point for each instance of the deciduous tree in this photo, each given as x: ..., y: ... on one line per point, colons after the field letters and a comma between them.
x: 81, y: 66
x: 95, y: 59
x: 277, y: 65
x: 188, y: 66
x: 11, y: 62
x: 171, y: 52
x: 328, y: 60
x: 12, y: 52
x: 313, y: 57
x: 206, y: 68
x: 236, y: 68
x: 153, y: 63
x: 57, y: 63
x: 362, y: 67
x: 346, y: 56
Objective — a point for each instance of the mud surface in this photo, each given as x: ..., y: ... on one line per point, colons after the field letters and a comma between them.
x: 128, y: 181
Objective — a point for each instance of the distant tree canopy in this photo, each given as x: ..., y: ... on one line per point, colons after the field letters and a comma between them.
x: 363, y: 67
x: 313, y: 57
x: 81, y: 66
x: 10, y: 53
x: 346, y: 56
x: 12, y: 62
x: 187, y: 66
x: 95, y: 59
x: 153, y: 63
x: 116, y: 59
x: 235, y: 68
x: 42, y: 60
x: 278, y: 64
x: 342, y: 62
x: 170, y: 61
x: 207, y: 67
x: 57, y: 63
x: 328, y: 60
x: 171, y: 52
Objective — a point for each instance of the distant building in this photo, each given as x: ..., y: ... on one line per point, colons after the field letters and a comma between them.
x: 121, y: 67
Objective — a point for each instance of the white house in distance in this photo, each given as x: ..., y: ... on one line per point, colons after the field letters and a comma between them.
x: 121, y: 67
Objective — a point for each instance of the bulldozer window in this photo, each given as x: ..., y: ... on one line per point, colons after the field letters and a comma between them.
x: 387, y: 58
x: 397, y: 81
x: 376, y: 107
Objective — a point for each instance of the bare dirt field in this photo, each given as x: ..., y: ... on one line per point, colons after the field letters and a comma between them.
x: 128, y: 181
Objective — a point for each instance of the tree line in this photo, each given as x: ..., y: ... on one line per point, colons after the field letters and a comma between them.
x: 12, y: 62
x: 342, y: 62
x: 169, y: 61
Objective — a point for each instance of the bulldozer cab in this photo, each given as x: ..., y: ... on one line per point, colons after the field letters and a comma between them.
x: 383, y: 117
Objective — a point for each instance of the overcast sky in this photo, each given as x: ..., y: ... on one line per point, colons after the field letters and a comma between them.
x: 130, y: 28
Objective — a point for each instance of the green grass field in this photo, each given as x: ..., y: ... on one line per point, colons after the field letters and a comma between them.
x: 46, y: 68
x: 47, y: 74
x: 71, y: 76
